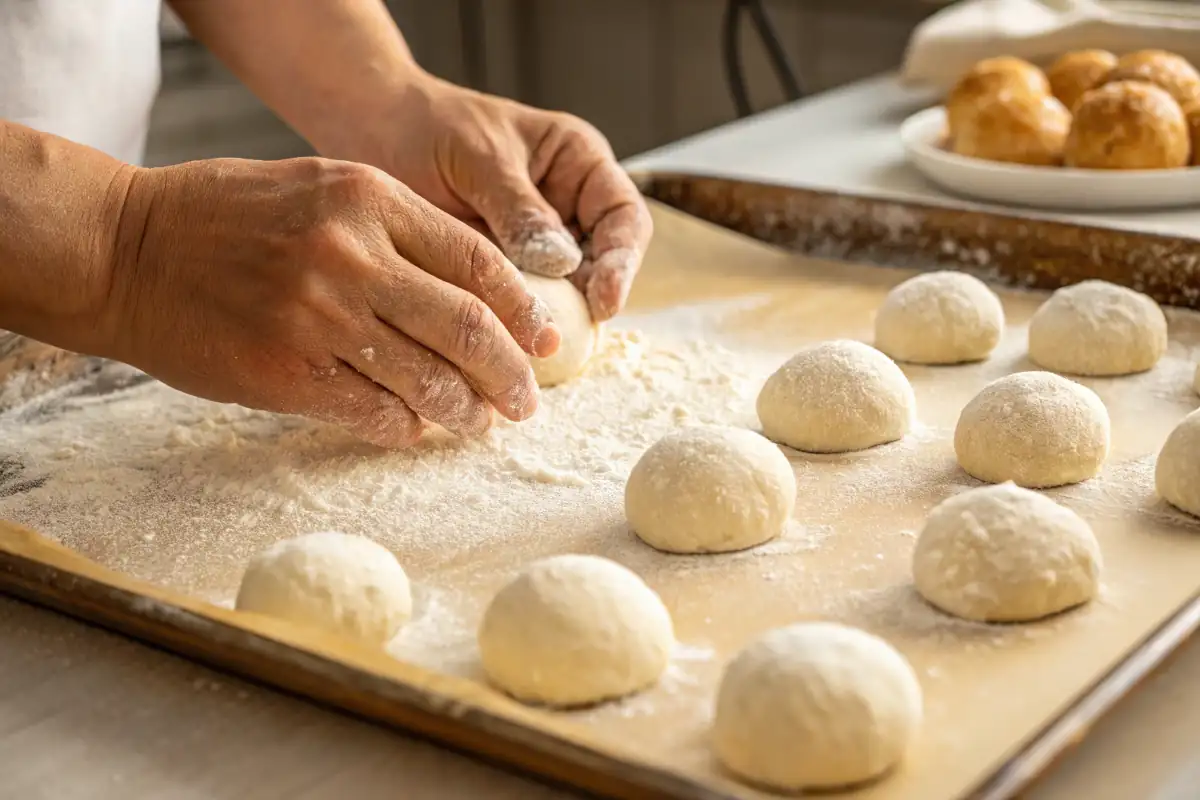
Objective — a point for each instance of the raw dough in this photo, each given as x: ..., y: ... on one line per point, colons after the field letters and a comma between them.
x: 1097, y: 328
x: 1127, y: 125
x: 835, y: 397
x: 344, y: 584
x: 1167, y: 71
x: 710, y: 490
x: 580, y: 335
x: 1077, y: 72
x: 575, y: 630
x: 1036, y: 429
x: 1005, y: 554
x: 1004, y: 76
x: 815, y: 705
x: 1015, y: 128
x: 1177, y: 473
x: 939, y: 318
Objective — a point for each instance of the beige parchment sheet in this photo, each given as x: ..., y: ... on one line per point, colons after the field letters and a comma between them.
x: 180, y: 492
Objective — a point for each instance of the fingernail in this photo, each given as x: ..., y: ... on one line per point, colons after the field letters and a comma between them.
x: 550, y: 252
x: 547, y: 341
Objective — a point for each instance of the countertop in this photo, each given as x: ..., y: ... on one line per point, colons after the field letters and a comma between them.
x: 85, y: 714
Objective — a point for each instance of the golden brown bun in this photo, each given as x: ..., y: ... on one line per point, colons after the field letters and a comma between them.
x: 1076, y: 72
x: 990, y: 77
x: 1192, y: 112
x: 1167, y: 70
x: 1127, y: 125
x: 1018, y: 127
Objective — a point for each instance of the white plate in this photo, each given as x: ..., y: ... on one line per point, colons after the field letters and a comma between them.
x: 1041, y: 187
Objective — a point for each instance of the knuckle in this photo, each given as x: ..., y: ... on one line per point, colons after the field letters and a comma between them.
x: 483, y: 262
x: 474, y: 335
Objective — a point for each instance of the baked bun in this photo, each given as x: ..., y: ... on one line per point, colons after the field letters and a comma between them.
x: 1127, y: 125
x: 1017, y: 127
x: 1192, y: 113
x: 1078, y: 71
x: 1163, y: 69
x: 989, y: 78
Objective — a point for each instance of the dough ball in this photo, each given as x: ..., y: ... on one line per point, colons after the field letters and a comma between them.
x: 1177, y: 473
x: 835, y: 397
x: 939, y: 318
x: 1097, y: 328
x: 815, y: 705
x: 1005, y: 554
x: 992, y: 77
x: 573, y: 631
x: 1192, y: 114
x: 343, y: 584
x: 1036, y: 429
x: 1165, y: 70
x: 580, y: 336
x: 710, y: 490
x: 1015, y: 128
x: 1127, y: 125
x: 1077, y: 72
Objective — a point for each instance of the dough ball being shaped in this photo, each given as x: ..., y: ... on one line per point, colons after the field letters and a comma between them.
x: 343, y: 584
x: 710, y: 490
x: 1177, y: 472
x: 575, y: 630
x: 1127, y: 125
x: 1097, y: 328
x: 1165, y: 70
x: 580, y: 336
x: 1077, y: 72
x: 1005, y: 554
x: 1036, y: 429
x: 835, y: 397
x: 992, y: 77
x: 815, y: 705
x: 939, y: 318
x: 1015, y: 128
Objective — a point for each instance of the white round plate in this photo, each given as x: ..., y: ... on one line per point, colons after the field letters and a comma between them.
x: 1041, y: 187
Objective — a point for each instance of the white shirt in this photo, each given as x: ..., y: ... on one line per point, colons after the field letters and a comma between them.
x: 86, y: 70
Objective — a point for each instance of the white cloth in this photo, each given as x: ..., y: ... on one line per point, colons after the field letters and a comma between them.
x: 948, y: 43
x: 86, y: 70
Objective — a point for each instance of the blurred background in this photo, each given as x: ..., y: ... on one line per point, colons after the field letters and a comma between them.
x: 646, y: 72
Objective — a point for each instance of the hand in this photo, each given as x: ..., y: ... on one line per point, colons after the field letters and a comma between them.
x: 536, y: 181
x: 321, y: 288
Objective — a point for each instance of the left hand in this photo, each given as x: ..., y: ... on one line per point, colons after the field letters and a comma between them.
x: 544, y: 185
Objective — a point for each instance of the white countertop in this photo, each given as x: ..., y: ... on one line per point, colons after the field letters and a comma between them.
x: 85, y: 714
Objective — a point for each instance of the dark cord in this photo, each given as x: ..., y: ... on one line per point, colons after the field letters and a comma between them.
x: 732, y: 53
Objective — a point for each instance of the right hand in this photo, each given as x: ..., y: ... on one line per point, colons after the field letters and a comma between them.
x: 321, y: 288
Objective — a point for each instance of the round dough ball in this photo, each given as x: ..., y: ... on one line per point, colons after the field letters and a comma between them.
x: 710, y: 490
x: 939, y: 318
x: 835, y: 397
x: 1036, y: 429
x: 1127, y: 125
x: 573, y: 631
x: 1015, y: 128
x: 1005, y: 554
x: 992, y: 77
x: 1097, y: 328
x: 1177, y: 473
x: 1077, y: 72
x: 580, y: 336
x: 1165, y: 70
x: 343, y: 584
x: 815, y: 705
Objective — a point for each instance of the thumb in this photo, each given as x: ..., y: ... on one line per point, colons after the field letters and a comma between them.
x: 528, y: 229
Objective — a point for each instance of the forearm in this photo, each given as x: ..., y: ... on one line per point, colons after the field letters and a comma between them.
x: 60, y: 210
x: 322, y: 66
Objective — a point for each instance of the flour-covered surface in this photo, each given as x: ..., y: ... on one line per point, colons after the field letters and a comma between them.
x: 182, y: 492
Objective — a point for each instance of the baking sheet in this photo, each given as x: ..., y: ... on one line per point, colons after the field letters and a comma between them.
x: 181, y: 492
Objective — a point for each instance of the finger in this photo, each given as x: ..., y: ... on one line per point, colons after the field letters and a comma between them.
x: 619, y: 231
x: 463, y: 331
x: 449, y: 250
x: 529, y: 230
x: 343, y: 397
x: 427, y: 383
